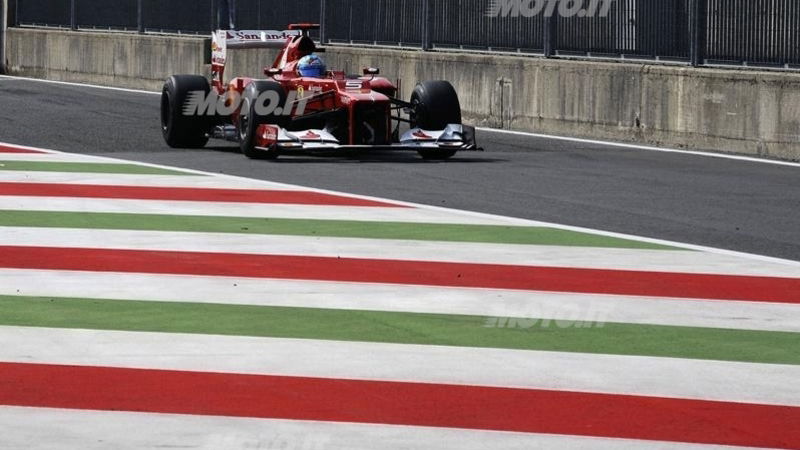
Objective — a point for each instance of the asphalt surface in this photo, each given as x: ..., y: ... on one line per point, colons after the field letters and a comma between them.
x: 736, y: 205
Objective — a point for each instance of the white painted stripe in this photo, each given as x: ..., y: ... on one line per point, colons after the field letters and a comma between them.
x: 489, y: 303
x: 642, y: 147
x: 479, y: 253
x: 48, y: 157
x: 270, y: 210
x: 138, y: 180
x: 774, y: 384
x: 45, y: 429
x: 83, y: 85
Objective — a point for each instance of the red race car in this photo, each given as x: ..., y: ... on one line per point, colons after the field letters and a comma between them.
x: 304, y: 107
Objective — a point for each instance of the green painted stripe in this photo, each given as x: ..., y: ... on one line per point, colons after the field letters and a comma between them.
x: 44, y: 166
x: 309, y: 227
x: 394, y: 327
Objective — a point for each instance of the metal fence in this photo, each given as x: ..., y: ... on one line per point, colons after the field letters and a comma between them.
x: 656, y: 29
x: 742, y: 32
x: 172, y: 16
x: 753, y: 31
x: 376, y: 22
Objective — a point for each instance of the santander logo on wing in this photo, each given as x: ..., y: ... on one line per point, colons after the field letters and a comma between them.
x: 258, y: 35
x: 311, y: 135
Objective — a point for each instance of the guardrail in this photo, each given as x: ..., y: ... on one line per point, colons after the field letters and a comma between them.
x: 699, y: 32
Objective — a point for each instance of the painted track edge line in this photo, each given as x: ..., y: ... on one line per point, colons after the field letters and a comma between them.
x: 650, y: 148
x: 509, y: 220
x: 72, y: 83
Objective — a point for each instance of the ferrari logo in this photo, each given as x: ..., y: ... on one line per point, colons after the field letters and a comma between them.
x: 300, y: 92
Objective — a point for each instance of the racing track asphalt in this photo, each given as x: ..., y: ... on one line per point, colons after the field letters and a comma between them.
x: 731, y: 204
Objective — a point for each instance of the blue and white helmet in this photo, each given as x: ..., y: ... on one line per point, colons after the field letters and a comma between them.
x: 311, y: 66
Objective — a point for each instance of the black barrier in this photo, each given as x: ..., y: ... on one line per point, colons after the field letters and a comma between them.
x: 632, y: 28
x: 173, y: 16
x: 466, y: 25
x: 54, y: 13
x: 753, y: 31
x: 178, y: 16
x: 260, y: 15
x: 105, y: 14
x: 743, y: 32
x: 375, y: 22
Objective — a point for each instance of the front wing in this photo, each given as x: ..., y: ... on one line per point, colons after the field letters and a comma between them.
x: 453, y: 137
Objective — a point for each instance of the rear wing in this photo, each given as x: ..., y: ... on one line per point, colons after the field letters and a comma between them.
x: 222, y: 40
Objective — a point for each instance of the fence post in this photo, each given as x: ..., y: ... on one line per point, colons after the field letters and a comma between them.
x: 3, y: 25
x: 73, y: 15
x: 350, y: 22
x: 550, y: 35
x: 322, y: 15
x: 427, y: 25
x: 224, y: 15
x: 698, y: 31
x: 140, y: 16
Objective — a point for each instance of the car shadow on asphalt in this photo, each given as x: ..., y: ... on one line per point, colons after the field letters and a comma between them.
x: 379, y: 156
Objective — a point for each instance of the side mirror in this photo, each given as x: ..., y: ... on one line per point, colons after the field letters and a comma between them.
x: 372, y: 71
x: 273, y: 72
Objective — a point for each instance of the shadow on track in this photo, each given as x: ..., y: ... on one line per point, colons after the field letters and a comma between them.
x: 376, y: 156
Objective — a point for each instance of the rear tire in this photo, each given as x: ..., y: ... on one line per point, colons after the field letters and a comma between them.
x: 179, y: 130
x: 249, y: 120
x: 435, y: 105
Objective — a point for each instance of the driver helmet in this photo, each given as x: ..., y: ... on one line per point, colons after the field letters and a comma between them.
x: 311, y: 66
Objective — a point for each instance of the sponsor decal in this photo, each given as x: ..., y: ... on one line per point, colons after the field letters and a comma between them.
x: 256, y: 35
x: 353, y: 85
x: 421, y: 135
x: 270, y: 133
x: 255, y: 38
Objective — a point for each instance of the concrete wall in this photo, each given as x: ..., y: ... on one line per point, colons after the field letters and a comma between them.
x: 749, y: 112
x: 114, y: 59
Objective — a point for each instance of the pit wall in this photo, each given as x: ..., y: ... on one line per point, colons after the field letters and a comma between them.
x: 746, y: 112
x: 114, y: 59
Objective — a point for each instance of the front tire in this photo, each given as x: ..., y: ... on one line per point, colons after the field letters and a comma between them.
x: 249, y: 119
x: 179, y: 130
x: 435, y: 105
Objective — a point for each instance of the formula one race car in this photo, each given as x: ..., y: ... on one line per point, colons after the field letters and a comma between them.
x: 303, y: 107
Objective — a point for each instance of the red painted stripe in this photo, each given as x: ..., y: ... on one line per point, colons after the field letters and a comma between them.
x: 620, y: 282
x: 336, y: 400
x: 184, y: 194
x: 11, y: 149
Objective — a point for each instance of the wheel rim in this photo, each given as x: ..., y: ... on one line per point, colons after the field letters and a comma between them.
x: 244, y: 120
x: 166, y: 111
x: 413, y: 117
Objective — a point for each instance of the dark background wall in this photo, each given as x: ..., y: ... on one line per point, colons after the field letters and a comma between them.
x: 742, y: 32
